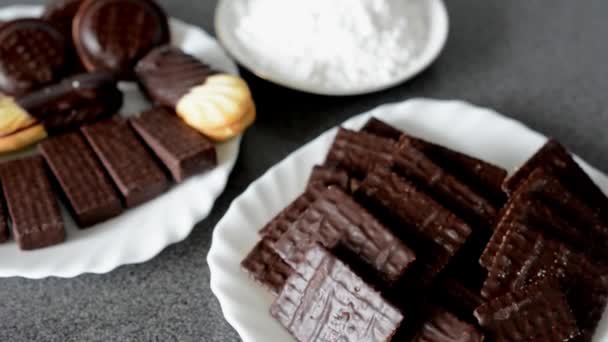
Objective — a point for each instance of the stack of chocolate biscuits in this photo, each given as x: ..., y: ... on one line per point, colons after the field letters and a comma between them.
x: 396, y: 238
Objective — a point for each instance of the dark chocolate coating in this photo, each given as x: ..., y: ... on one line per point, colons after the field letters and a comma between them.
x: 115, y: 34
x: 132, y: 168
x: 184, y: 151
x: 324, y: 176
x: 33, y: 53
x: 538, y: 312
x: 167, y: 73
x: 443, y: 326
x: 266, y: 267
x: 85, y: 185
x: 324, y: 300
x: 336, y: 219
x: 61, y: 14
x: 3, y: 220
x: 74, y: 101
x: 526, y: 256
x: 36, y: 221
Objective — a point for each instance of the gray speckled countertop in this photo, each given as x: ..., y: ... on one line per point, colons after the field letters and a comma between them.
x: 541, y: 62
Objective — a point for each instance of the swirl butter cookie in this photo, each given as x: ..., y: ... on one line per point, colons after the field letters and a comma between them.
x: 55, y: 109
x: 114, y: 34
x: 216, y: 104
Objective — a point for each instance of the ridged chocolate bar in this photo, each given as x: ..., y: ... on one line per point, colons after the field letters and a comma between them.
x: 266, y: 267
x: 543, y: 203
x: 556, y: 158
x: 526, y: 256
x: 132, y: 168
x: 443, y: 326
x: 358, y: 153
x: 36, y: 221
x: 538, y: 312
x: 324, y: 300
x: 335, y: 218
x: 445, y: 188
x: 3, y: 221
x: 167, y: 74
x: 77, y: 100
x: 85, y: 185
x: 483, y: 176
x: 324, y: 176
x: 184, y: 151
x: 416, y: 210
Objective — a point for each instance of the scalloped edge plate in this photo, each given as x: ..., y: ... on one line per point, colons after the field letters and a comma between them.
x: 480, y: 132
x: 141, y: 233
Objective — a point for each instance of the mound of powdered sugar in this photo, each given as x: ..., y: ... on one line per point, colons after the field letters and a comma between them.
x: 334, y: 43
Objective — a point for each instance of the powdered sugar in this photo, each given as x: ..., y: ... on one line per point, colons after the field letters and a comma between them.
x: 334, y: 42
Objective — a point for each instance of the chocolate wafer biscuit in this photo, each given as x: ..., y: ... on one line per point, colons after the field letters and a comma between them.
x: 132, y: 168
x: 183, y: 151
x: 86, y: 187
x: 115, y: 34
x: 538, y: 312
x: 324, y: 176
x: 445, y: 188
x: 36, y: 221
x: 33, y: 53
x: 443, y: 326
x: 266, y: 267
x: 358, y: 153
x: 325, y: 300
x: 3, y: 221
x: 334, y: 218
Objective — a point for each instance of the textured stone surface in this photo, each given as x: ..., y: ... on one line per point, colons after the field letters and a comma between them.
x: 526, y: 59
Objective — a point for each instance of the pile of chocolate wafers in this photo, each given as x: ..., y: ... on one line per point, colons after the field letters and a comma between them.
x: 59, y: 77
x: 397, y: 238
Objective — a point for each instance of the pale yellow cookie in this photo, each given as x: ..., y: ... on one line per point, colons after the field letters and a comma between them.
x: 17, y: 128
x: 221, y: 108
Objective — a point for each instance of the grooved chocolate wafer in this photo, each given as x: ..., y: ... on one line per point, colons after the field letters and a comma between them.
x: 334, y: 218
x: 74, y: 101
x: 445, y: 188
x: 483, y: 176
x: 115, y: 34
x: 266, y: 267
x: 33, y: 54
x: 167, y: 74
x: 134, y: 171
x: 543, y: 203
x: 538, y: 312
x: 358, y: 153
x: 324, y: 176
x: 36, y: 221
x: 526, y: 256
x: 324, y: 300
x: 443, y: 326
x: 3, y: 221
x: 87, y: 188
x: 184, y: 151
x: 555, y: 158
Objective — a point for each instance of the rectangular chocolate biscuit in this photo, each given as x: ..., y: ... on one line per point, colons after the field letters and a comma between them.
x: 36, y: 220
x: 483, y: 176
x: 184, y: 151
x: 266, y: 267
x: 324, y: 176
x: 442, y: 186
x: 134, y: 171
x: 324, y: 300
x: 336, y: 219
x: 87, y: 189
x: 526, y: 256
x: 443, y: 326
x: 538, y: 312
x: 3, y: 220
x: 358, y: 153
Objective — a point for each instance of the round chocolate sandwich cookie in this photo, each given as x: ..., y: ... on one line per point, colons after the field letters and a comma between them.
x: 114, y: 34
x: 33, y: 53
x: 61, y: 14
x: 54, y: 109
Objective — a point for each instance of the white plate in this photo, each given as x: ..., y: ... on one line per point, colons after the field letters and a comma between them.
x: 436, y: 25
x: 138, y: 234
x: 480, y: 132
